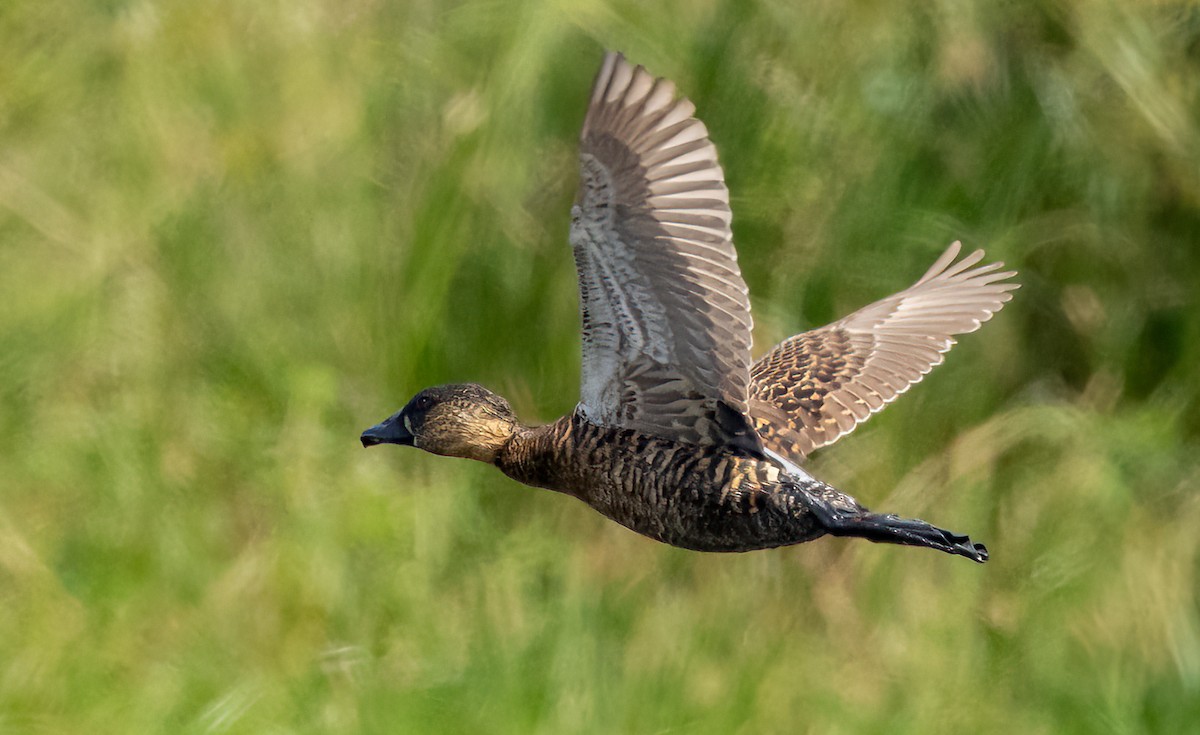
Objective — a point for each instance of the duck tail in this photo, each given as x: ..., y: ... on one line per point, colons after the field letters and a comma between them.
x: 841, y: 515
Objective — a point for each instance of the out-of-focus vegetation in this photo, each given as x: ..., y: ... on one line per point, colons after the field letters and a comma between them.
x: 233, y: 234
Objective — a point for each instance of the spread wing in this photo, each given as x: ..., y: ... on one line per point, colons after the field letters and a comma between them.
x: 666, y: 319
x: 816, y: 387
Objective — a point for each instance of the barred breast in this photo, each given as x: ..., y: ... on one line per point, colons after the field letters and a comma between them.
x: 705, y: 498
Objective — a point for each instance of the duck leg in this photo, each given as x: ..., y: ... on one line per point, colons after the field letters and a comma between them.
x: 841, y: 515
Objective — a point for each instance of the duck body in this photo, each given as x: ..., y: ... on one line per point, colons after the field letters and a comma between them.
x: 704, y: 498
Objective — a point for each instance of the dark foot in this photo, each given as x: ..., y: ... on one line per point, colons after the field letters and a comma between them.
x: 891, y: 529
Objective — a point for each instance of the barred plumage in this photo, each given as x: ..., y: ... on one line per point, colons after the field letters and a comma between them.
x: 700, y: 497
x: 812, y: 389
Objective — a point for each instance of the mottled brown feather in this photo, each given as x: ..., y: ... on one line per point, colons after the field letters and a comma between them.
x: 816, y: 387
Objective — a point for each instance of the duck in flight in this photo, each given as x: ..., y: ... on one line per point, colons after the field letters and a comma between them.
x: 678, y: 434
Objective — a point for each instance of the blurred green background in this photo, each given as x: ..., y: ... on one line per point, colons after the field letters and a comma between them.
x: 234, y: 234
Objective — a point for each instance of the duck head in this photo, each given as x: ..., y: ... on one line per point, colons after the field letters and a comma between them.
x: 460, y: 420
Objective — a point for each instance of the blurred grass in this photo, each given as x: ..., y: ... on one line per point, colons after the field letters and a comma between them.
x: 234, y: 234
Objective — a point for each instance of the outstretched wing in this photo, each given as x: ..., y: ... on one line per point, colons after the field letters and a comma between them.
x: 816, y: 387
x: 666, y: 318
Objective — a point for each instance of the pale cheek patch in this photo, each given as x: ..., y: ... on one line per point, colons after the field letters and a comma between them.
x: 408, y: 424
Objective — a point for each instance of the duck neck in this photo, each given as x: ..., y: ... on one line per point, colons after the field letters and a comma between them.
x: 532, y: 454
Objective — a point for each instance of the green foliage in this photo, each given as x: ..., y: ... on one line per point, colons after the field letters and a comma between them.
x: 234, y: 234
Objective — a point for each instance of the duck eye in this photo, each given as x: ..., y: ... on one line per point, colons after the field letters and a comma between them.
x: 423, y: 403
